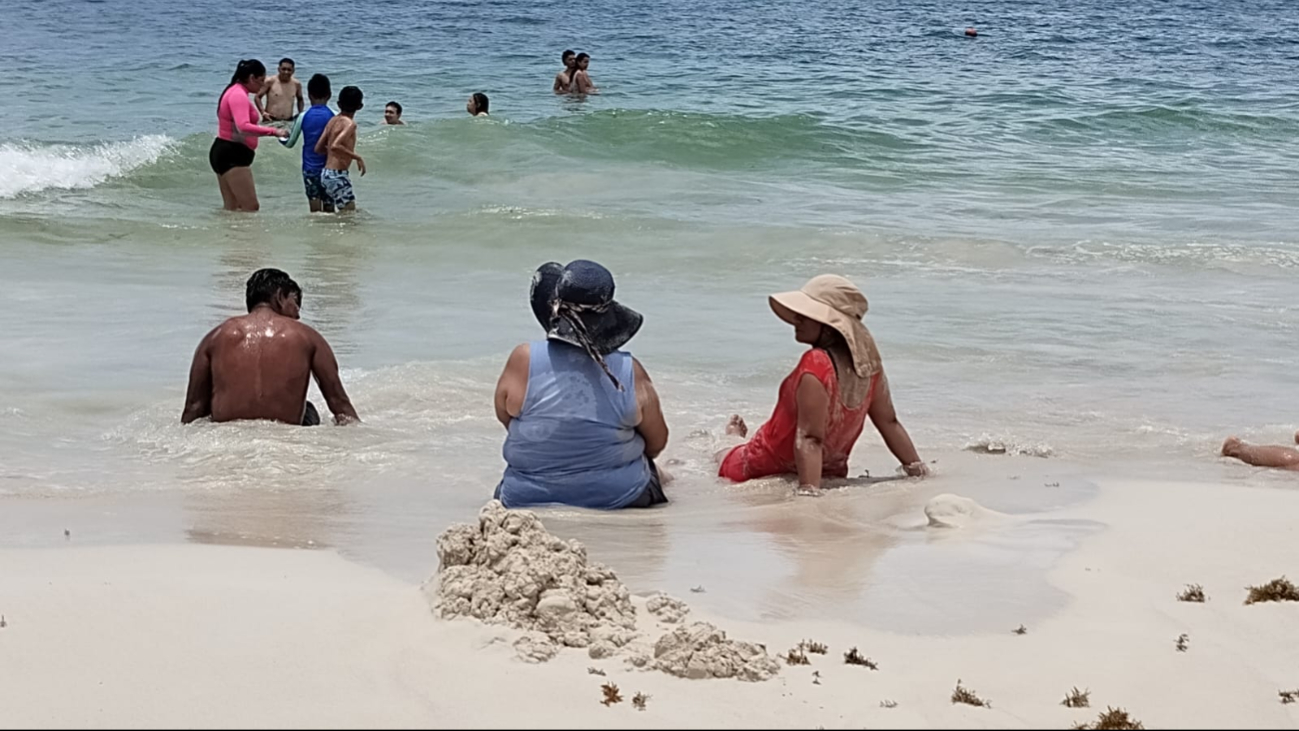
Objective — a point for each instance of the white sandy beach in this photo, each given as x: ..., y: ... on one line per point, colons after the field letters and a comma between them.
x: 205, y: 636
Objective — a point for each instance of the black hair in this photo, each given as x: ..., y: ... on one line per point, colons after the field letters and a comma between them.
x: 396, y: 106
x: 287, y: 60
x: 265, y: 284
x: 581, y: 56
x: 481, y: 101
x: 318, y: 87
x: 349, y: 99
x: 564, y: 56
x: 246, y: 69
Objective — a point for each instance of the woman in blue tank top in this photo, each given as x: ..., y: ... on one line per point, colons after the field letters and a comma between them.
x: 583, y: 419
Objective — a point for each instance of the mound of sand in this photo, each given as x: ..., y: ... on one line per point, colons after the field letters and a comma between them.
x: 700, y: 650
x: 954, y: 511
x: 509, y: 570
x: 667, y: 609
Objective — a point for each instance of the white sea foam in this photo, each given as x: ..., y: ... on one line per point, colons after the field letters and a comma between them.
x: 31, y: 168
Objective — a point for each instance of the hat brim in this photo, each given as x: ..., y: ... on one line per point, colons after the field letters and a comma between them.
x: 865, y: 356
x: 609, y: 330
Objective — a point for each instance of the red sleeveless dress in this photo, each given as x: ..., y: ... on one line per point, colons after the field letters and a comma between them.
x: 771, y: 449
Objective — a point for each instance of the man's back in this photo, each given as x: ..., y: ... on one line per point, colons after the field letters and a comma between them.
x: 261, y: 366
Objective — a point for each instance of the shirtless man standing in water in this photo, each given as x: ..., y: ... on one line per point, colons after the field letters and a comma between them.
x: 257, y: 366
x: 279, y: 92
x: 564, y: 79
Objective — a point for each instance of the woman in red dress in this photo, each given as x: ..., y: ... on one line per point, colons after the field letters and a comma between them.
x: 823, y: 404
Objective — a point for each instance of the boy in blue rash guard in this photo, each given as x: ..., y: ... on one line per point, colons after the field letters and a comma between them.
x: 310, y: 126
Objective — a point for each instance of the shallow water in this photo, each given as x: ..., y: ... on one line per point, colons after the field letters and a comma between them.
x: 1077, y: 233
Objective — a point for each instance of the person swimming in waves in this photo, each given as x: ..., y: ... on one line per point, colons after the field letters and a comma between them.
x: 583, y: 419
x: 1263, y: 455
x: 232, y: 152
x: 478, y: 105
x: 392, y: 114
x: 280, y: 91
x: 822, y: 405
x: 257, y: 366
x: 582, y: 83
x: 564, y: 79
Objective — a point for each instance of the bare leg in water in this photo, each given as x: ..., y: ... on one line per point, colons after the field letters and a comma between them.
x: 737, y: 428
x: 1262, y: 455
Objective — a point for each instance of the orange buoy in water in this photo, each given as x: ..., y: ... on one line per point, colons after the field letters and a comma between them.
x: 972, y: 33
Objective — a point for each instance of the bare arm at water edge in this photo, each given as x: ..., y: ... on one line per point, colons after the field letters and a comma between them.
x: 257, y: 99
x: 653, y: 428
x: 198, y: 396
x: 885, y: 419
x: 809, y: 438
x: 302, y: 105
x: 512, y: 387
x: 324, y: 367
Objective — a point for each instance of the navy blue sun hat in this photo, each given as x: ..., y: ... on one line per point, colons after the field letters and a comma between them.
x: 575, y: 305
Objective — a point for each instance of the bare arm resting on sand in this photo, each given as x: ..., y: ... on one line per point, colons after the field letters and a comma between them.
x: 198, y: 396
x: 324, y: 368
x: 1260, y: 455
x: 653, y: 428
x: 896, y: 438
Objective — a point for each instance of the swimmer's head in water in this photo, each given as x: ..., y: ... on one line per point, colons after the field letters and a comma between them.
x: 274, y: 288
x: 287, y: 68
x: 567, y: 57
x: 318, y: 88
x: 582, y: 61
x: 392, y: 113
x: 971, y: 32
x: 478, y: 104
x: 349, y: 99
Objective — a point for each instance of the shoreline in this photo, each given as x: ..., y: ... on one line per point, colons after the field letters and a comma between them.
x: 304, y: 637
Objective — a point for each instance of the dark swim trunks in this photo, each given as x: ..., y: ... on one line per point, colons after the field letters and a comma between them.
x: 310, y: 417
x: 315, y: 190
x: 226, y: 155
x: 653, y: 493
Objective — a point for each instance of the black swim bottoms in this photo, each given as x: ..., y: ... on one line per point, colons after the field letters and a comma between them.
x: 310, y: 417
x: 653, y: 493
x: 226, y: 155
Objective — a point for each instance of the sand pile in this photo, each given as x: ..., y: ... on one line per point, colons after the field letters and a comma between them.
x: 954, y: 511
x: 509, y: 570
x: 700, y: 650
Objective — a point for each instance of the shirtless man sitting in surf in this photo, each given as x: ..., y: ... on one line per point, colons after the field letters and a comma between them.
x: 279, y: 92
x: 257, y: 366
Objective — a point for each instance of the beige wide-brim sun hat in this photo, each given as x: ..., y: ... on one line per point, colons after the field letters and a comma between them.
x: 833, y: 300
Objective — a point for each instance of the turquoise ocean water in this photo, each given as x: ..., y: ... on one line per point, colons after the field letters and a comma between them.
x: 1077, y: 233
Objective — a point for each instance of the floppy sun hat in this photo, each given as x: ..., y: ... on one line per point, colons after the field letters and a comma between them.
x: 575, y: 305
x: 834, y: 301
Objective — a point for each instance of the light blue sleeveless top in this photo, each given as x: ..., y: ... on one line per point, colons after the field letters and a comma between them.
x: 575, y: 441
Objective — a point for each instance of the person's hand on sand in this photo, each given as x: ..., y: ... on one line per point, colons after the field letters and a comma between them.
x: 916, y: 469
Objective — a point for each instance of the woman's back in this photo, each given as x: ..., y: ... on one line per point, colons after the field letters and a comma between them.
x: 575, y: 440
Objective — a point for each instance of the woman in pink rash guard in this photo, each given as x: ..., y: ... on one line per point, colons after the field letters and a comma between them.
x: 232, y: 151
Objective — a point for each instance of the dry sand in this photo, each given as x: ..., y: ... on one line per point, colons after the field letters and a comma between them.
x: 204, y: 636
